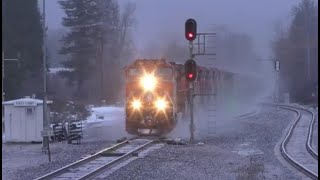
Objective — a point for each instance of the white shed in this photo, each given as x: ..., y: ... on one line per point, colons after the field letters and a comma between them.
x: 23, y: 120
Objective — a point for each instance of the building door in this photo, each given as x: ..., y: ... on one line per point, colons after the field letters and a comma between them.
x: 16, y: 129
x: 30, y: 124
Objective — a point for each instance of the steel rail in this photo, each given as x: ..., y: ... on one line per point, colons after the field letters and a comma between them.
x: 241, y: 116
x: 90, y: 158
x: 310, y: 133
x: 283, y: 149
x: 119, y: 159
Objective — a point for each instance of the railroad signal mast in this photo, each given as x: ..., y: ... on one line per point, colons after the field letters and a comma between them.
x: 190, y: 35
x: 191, y: 68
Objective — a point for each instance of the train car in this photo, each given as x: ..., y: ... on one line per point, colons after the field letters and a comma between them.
x: 156, y: 91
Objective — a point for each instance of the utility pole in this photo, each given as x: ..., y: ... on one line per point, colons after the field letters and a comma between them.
x: 101, y: 69
x: 308, y: 44
x: 277, y: 90
x: 3, y: 93
x: 3, y: 65
x: 102, y: 28
x: 45, y: 143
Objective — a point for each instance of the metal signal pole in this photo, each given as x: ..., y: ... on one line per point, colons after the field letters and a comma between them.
x: 191, y: 84
x: 191, y: 88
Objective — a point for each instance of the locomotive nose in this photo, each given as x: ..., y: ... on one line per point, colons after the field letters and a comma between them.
x: 149, y: 97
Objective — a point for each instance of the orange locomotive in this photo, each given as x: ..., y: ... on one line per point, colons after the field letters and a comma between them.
x: 156, y: 90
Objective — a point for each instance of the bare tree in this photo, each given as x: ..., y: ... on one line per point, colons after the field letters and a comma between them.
x: 297, y: 51
x: 119, y: 52
x: 127, y: 21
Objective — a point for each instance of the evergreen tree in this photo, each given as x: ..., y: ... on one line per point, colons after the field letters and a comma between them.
x: 94, y: 43
x: 22, y: 34
x: 77, y: 43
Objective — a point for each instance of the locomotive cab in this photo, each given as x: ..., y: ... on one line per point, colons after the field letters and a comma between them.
x: 150, y: 97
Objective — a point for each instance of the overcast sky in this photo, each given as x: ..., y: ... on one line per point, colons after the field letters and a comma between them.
x: 158, y: 17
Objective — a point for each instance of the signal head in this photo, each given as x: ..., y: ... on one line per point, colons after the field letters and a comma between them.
x: 191, y: 29
x: 190, y: 70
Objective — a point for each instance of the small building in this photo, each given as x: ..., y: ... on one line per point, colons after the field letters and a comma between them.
x: 23, y: 120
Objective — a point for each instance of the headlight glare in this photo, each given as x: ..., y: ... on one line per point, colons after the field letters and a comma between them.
x: 136, y: 104
x: 148, y: 82
x: 161, y: 104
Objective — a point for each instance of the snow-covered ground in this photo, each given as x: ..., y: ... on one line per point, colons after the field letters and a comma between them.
x: 105, y: 123
x: 107, y: 114
x: 104, y: 117
x: 102, y: 128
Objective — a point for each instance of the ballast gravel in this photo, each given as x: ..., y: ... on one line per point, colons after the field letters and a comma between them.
x: 315, y: 134
x: 246, y: 151
x: 33, y: 163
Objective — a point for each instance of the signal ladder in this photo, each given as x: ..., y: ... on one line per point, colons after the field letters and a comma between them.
x: 212, y: 117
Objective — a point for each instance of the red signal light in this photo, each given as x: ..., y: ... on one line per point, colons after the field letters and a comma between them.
x: 190, y: 29
x: 190, y: 76
x: 190, y: 68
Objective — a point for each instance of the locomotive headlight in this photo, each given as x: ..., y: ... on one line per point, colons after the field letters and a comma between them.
x: 161, y: 104
x: 136, y: 104
x: 148, y: 82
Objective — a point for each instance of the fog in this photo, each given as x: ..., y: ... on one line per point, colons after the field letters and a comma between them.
x: 220, y: 117
x: 155, y: 18
x: 160, y: 22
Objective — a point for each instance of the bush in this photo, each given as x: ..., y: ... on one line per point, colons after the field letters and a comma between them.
x: 68, y: 110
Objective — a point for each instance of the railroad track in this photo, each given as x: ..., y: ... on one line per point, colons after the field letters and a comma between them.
x: 304, y: 159
x: 94, y: 164
x: 242, y: 116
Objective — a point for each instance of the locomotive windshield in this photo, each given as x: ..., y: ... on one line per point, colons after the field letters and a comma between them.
x: 163, y: 73
x: 134, y: 72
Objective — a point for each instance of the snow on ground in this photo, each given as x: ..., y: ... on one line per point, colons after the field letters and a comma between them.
x: 103, y: 127
x: 56, y: 70
x: 105, y: 123
x: 99, y: 114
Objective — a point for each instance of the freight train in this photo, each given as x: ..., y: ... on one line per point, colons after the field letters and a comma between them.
x: 156, y: 91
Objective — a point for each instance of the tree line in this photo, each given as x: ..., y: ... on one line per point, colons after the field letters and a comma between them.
x: 96, y: 45
x: 22, y: 39
x: 296, y: 48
